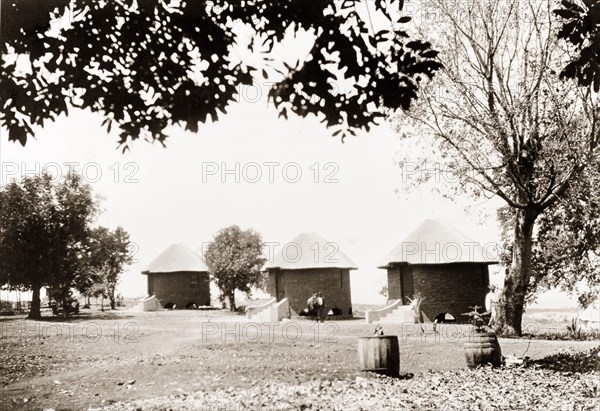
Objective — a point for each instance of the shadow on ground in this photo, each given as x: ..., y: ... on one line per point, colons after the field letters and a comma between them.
x: 584, y: 361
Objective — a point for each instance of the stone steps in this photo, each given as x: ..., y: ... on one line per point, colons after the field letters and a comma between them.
x: 402, y: 314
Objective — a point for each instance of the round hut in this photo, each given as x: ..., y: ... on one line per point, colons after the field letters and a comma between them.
x: 310, y: 264
x: 449, y: 269
x: 179, y: 278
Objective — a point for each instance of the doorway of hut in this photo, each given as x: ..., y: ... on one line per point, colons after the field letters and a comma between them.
x: 279, y: 286
x: 444, y: 318
x: 406, y: 285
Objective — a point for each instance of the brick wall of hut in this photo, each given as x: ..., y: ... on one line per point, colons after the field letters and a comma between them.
x: 180, y: 288
x: 299, y: 285
x: 447, y: 288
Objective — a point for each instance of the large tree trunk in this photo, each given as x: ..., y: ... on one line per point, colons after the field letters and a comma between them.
x: 34, y: 312
x: 111, y: 296
x: 231, y: 298
x: 517, y: 280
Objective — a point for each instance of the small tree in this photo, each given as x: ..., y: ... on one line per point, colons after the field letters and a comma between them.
x: 100, y: 287
x: 234, y: 259
x: 108, y: 254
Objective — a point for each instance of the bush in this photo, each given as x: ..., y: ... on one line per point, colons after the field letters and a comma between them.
x: 584, y: 361
x: 569, y: 335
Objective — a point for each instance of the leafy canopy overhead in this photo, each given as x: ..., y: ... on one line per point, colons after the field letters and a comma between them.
x: 152, y: 64
x: 581, y: 28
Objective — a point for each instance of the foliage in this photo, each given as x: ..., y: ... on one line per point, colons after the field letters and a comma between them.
x: 416, y: 301
x: 566, y: 252
x: 566, y: 335
x: 43, y: 231
x: 580, y: 362
x: 415, y: 305
x: 152, y: 64
x: 581, y: 28
x: 478, y: 319
x: 234, y: 259
x: 504, y: 122
x: 99, y: 284
x: 108, y: 254
x: 25, y: 240
x: 384, y: 291
x: 574, y: 328
x: 77, y: 207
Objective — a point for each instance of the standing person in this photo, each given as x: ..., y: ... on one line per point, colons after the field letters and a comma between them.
x: 491, y: 304
x: 320, y: 307
x: 311, y: 304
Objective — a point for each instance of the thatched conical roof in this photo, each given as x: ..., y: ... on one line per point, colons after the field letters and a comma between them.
x: 437, y: 242
x: 309, y: 250
x: 177, y: 257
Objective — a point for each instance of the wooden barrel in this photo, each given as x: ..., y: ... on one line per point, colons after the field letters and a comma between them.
x: 379, y: 354
x: 482, y: 349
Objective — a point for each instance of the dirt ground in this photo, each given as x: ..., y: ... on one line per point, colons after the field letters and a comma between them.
x: 98, y: 359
